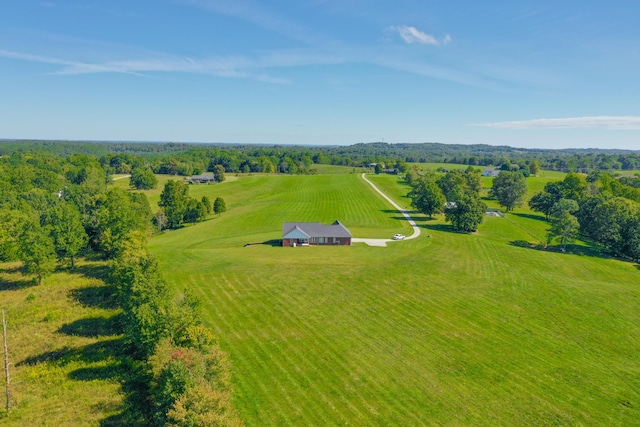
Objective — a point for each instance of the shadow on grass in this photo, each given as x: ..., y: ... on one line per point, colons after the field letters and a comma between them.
x: 402, y: 218
x: 119, y: 367
x: 447, y: 228
x: 89, y: 353
x: 409, y: 211
x: 95, y: 296
x: 96, y: 373
x: 100, y: 272
x: 272, y: 242
x: 14, y: 285
x: 93, y: 327
x: 572, y: 249
x: 529, y: 216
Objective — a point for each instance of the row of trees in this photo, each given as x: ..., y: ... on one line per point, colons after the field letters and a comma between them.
x: 179, y: 208
x: 189, y: 376
x: 456, y: 193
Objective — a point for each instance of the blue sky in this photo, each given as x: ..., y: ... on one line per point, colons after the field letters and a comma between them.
x: 543, y: 74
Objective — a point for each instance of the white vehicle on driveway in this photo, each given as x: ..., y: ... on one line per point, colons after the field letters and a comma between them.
x: 398, y: 237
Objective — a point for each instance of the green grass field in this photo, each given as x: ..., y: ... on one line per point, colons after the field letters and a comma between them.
x: 63, y: 348
x: 447, y: 329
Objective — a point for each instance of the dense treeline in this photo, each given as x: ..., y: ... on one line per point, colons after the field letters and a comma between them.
x: 188, y: 159
x: 598, y: 206
x: 55, y: 209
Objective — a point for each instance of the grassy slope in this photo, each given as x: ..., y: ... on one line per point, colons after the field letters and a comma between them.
x: 62, y: 346
x: 448, y: 329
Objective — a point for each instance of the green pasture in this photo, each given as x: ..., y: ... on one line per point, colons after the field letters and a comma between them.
x: 446, y: 329
x: 63, y: 348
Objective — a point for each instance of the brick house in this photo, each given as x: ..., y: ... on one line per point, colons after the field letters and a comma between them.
x: 315, y: 233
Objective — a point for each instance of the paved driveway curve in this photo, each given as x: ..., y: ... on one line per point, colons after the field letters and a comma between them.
x: 404, y: 212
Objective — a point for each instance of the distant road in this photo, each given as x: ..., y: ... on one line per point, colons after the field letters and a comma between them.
x: 404, y: 212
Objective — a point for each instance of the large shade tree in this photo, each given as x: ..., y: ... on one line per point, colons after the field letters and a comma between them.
x: 37, y: 250
x: 564, y: 225
x: 465, y: 210
x: 66, y: 230
x: 509, y: 188
x: 427, y: 197
x: 143, y: 178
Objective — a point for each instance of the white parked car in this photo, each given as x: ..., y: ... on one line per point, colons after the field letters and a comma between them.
x: 398, y: 236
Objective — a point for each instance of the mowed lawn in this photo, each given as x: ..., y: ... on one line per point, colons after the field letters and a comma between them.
x: 446, y: 329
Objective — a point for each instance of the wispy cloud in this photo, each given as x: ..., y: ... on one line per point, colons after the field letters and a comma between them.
x: 412, y: 35
x: 257, y: 14
x: 588, y: 122
x: 66, y: 64
x: 232, y: 66
x: 253, y: 66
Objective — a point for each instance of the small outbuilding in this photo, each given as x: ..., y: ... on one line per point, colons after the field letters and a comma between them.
x: 314, y: 233
x: 201, y: 179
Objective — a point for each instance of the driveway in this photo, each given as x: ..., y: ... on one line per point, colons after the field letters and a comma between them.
x: 404, y: 212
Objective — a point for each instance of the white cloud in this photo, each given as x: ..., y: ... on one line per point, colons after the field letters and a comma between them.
x: 588, y: 122
x: 413, y: 35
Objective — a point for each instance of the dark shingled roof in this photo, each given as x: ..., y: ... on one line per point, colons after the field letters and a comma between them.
x: 316, y: 229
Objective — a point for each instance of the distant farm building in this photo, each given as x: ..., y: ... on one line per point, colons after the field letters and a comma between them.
x: 490, y: 172
x: 314, y: 233
x: 201, y: 179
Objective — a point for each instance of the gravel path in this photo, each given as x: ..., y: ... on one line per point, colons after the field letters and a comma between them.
x: 404, y: 212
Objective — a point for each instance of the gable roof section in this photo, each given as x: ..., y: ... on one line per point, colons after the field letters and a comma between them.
x: 294, y: 233
x: 297, y: 230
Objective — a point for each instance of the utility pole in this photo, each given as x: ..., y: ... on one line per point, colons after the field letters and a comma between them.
x: 6, y: 360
